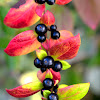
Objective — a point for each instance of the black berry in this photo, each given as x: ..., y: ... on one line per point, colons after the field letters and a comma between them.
x: 53, y: 27
x: 37, y: 63
x: 48, y: 62
x: 40, y: 1
x: 55, y: 35
x: 48, y: 83
x: 43, y: 70
x: 41, y: 38
x: 57, y: 66
x: 50, y: 2
x: 55, y: 88
x: 52, y: 96
x: 41, y: 29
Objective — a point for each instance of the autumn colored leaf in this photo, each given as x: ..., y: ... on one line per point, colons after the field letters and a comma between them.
x: 74, y: 44
x: 73, y: 92
x: 48, y: 18
x: 40, y: 9
x: 64, y: 35
x: 22, y: 14
x: 65, y: 49
x: 56, y: 75
x: 41, y: 53
x: 22, y: 44
x: 62, y: 2
x: 40, y: 75
x: 89, y: 11
x: 25, y: 90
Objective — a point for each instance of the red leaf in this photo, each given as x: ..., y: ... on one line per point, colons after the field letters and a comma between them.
x: 22, y: 44
x: 73, y: 49
x: 25, y: 90
x: 23, y: 16
x: 40, y: 9
x: 64, y: 35
x: 48, y: 18
x: 56, y: 75
x: 40, y: 75
x: 89, y: 11
x: 19, y: 92
x: 66, y: 49
x: 62, y: 2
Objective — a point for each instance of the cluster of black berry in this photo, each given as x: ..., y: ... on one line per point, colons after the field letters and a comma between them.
x: 41, y: 30
x: 50, y: 2
x: 49, y: 84
x: 54, y: 33
x: 48, y: 62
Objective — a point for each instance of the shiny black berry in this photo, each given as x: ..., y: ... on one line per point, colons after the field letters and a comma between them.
x: 43, y: 70
x: 53, y: 27
x: 41, y: 38
x: 48, y: 83
x: 40, y: 29
x: 55, y: 35
x: 52, y: 96
x: 37, y: 63
x: 50, y: 2
x: 55, y: 88
x: 40, y: 1
x: 57, y: 66
x: 48, y: 62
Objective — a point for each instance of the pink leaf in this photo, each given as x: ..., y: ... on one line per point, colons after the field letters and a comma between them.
x: 40, y: 9
x: 62, y: 2
x: 89, y: 11
x: 56, y: 75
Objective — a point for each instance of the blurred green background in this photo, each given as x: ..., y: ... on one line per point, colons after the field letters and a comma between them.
x: 15, y: 71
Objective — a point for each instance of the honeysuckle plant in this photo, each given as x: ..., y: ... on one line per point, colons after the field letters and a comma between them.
x: 26, y: 42
x: 51, y: 51
x: 64, y: 92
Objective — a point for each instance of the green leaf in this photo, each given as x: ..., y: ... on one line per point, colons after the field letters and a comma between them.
x: 49, y: 74
x: 41, y: 54
x: 36, y: 85
x: 63, y: 86
x: 73, y: 92
x: 65, y: 65
x: 46, y: 93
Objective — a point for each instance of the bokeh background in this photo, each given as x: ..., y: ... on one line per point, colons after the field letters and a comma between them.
x: 79, y: 16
